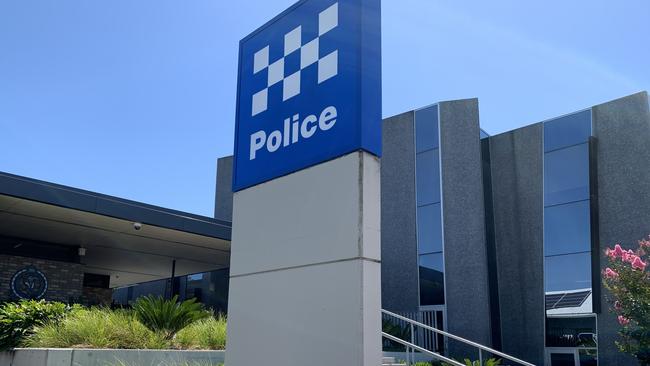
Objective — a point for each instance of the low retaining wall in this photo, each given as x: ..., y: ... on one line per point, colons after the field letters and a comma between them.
x: 107, y: 357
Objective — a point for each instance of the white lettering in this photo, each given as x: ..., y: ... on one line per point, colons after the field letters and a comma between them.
x: 293, y: 130
x: 274, y: 141
x: 257, y: 141
x: 327, y: 118
x: 305, y: 131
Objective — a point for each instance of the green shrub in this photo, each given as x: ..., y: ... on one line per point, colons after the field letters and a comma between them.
x: 97, y: 328
x: 167, y: 317
x: 17, y: 320
x: 489, y: 362
x: 208, y: 333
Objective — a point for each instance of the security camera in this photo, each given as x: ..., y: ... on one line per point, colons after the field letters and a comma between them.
x: 137, y: 225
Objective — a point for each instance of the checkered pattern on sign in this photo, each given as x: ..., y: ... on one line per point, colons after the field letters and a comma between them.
x: 327, y: 65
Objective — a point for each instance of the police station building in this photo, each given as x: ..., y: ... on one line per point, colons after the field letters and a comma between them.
x: 496, y: 239
x: 500, y: 239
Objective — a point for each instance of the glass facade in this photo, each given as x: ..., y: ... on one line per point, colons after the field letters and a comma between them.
x: 209, y: 288
x: 429, y: 209
x: 567, y: 228
x: 570, y: 325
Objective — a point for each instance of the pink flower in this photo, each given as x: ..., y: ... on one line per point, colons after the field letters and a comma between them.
x: 618, y: 306
x: 610, y: 273
x: 623, y: 320
x: 638, y: 264
x: 610, y: 254
x: 618, y: 252
x: 644, y: 243
x: 629, y: 256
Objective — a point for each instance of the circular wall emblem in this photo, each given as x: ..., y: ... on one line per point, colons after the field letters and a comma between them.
x: 29, y: 283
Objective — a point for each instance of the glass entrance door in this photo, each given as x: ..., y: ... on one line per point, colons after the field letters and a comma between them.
x: 571, y: 357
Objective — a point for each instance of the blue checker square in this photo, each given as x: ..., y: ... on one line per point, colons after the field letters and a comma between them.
x: 309, y: 89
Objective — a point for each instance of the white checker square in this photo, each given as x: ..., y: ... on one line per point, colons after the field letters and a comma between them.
x: 291, y: 86
x: 292, y: 40
x: 276, y: 72
x: 309, y: 53
x: 260, y: 101
x: 328, y: 66
x: 328, y: 19
x: 261, y: 60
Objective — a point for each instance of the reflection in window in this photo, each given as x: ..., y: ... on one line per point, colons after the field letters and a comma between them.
x: 426, y: 129
x: 568, y: 130
x: 432, y: 290
x: 567, y: 228
x: 429, y: 229
x: 567, y: 216
x: 566, y: 175
x: 427, y: 177
x: 428, y: 214
x: 568, y: 272
x: 571, y: 332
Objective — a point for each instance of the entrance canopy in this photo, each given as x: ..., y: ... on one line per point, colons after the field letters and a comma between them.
x: 130, y: 241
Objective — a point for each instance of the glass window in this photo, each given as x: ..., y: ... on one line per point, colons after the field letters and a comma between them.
x: 429, y: 229
x: 432, y: 290
x: 571, y: 331
x: 567, y: 228
x: 566, y: 175
x: 427, y: 177
x: 567, y: 272
x: 426, y: 128
x: 562, y: 359
x: 568, y: 130
x: 588, y: 357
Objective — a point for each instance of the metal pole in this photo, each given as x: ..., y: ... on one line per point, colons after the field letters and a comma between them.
x: 412, y: 342
x: 480, y: 357
x: 171, y: 288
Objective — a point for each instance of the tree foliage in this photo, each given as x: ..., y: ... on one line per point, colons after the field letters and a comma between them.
x: 628, y: 282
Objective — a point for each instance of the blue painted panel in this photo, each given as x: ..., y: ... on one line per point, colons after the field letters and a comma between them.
x: 309, y: 89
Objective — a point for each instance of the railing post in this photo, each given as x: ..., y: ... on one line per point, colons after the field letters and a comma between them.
x: 412, y: 342
x: 480, y: 356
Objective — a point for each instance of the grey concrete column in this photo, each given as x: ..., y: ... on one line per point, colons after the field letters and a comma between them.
x: 305, y: 268
x: 399, y: 247
x: 466, y: 281
x: 517, y: 187
x: 622, y: 129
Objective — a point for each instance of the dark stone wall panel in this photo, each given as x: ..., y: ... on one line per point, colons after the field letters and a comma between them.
x: 399, y: 270
x: 466, y: 268
x: 223, y: 192
x: 622, y: 130
x: 517, y: 186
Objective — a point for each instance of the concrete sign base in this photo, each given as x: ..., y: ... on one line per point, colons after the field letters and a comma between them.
x: 305, y: 268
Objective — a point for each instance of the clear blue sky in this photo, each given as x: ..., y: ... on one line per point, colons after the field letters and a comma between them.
x: 137, y: 98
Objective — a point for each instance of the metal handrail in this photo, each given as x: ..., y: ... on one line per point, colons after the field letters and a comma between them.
x: 466, y: 341
x: 423, y: 350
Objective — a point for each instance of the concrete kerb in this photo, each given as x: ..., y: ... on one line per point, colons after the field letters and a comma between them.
x: 106, y: 357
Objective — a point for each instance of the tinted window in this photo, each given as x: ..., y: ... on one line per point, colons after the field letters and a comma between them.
x: 571, y: 332
x: 566, y: 228
x: 431, y: 280
x: 429, y: 229
x: 566, y: 175
x: 427, y: 177
x: 426, y: 128
x: 568, y: 272
x: 568, y: 130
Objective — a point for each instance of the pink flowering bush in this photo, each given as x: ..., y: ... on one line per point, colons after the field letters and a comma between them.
x: 628, y: 281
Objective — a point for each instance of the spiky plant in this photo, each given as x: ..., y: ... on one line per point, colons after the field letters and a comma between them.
x: 167, y: 316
